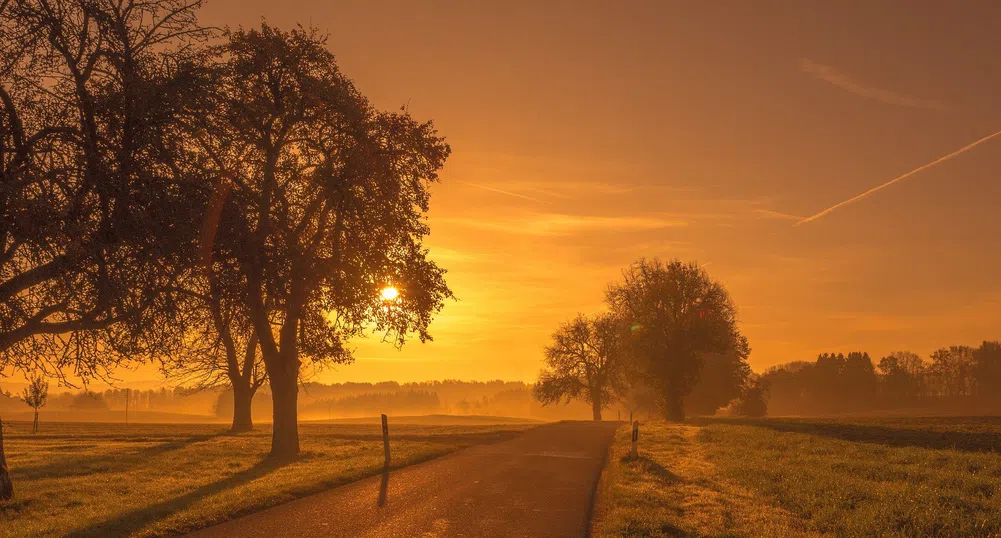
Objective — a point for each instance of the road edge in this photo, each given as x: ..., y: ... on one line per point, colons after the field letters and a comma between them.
x: 601, y: 494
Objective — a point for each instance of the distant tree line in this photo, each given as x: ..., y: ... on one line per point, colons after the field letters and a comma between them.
x: 409, y: 402
x: 954, y: 379
x: 317, y: 401
x: 493, y: 398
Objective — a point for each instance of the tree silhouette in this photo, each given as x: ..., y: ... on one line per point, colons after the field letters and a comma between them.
x: 320, y: 204
x: 987, y: 370
x: 218, y: 346
x: 584, y: 361
x: 723, y: 378
x: 903, y: 376
x: 92, y: 96
x: 951, y: 370
x: 678, y: 314
x: 35, y: 395
x: 958, y: 380
x: 753, y: 400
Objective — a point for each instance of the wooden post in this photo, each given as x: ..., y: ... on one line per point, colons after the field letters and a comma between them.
x: 385, y: 437
x: 636, y: 437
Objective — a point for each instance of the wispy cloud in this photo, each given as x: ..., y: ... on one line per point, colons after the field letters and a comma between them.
x: 902, y: 177
x: 499, y: 191
x: 770, y: 214
x: 850, y: 84
x: 558, y: 224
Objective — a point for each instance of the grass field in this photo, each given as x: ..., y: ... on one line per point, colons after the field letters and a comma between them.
x: 799, y: 477
x: 149, y: 480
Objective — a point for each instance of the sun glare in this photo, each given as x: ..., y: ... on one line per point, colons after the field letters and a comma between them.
x: 389, y: 293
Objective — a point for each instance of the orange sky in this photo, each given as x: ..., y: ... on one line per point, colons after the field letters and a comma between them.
x: 586, y: 135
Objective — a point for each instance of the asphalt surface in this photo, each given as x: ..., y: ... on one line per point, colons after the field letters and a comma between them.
x: 539, y: 484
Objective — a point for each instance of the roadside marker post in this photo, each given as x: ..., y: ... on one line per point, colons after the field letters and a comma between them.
x: 636, y: 437
x: 385, y: 437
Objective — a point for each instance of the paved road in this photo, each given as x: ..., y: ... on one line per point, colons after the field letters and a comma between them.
x: 539, y: 484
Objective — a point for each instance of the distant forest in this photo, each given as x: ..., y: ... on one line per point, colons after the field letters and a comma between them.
x: 317, y: 401
x: 954, y: 380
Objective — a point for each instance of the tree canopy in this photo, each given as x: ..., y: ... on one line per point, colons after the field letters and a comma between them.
x: 93, y: 96
x: 586, y: 360
x: 678, y: 315
x: 163, y: 196
x: 321, y: 205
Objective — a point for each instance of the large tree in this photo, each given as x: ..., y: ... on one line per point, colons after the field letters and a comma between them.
x: 678, y: 315
x: 92, y: 204
x: 585, y: 361
x: 320, y: 203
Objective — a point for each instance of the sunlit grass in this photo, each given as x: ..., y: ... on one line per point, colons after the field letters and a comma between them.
x: 673, y: 490
x: 148, y: 480
x: 918, y: 477
x: 781, y: 477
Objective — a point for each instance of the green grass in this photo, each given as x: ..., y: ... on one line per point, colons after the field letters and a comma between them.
x: 785, y: 477
x: 78, y: 479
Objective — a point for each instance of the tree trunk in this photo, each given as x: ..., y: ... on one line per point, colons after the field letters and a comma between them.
x: 596, y: 407
x: 242, y: 417
x: 34, y: 427
x: 6, y: 486
x: 284, y: 393
x: 675, y: 406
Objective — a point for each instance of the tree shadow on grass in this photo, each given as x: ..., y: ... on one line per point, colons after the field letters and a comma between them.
x: 101, y: 463
x: 135, y: 520
x: 874, y: 434
x: 652, y: 467
x: 671, y: 531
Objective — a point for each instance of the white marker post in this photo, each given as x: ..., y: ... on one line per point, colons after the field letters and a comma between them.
x: 385, y: 437
x: 636, y: 437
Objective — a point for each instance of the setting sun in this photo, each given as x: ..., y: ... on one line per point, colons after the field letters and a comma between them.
x: 390, y: 293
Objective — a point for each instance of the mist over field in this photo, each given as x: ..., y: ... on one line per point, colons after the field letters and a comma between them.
x: 316, y: 402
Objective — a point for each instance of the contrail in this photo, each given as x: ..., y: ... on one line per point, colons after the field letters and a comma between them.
x: 486, y: 188
x: 959, y: 151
